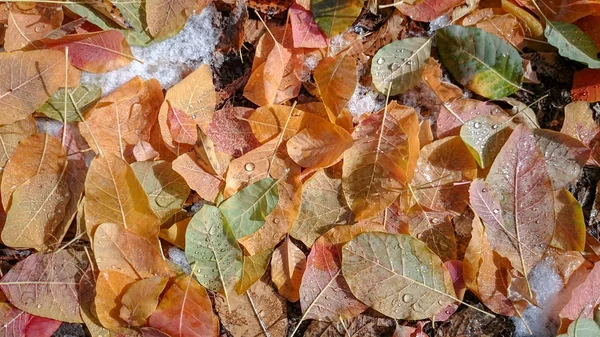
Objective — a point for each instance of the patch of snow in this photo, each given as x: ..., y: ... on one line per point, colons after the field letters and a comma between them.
x: 543, y: 320
x: 168, y: 61
x: 365, y: 100
x: 310, y: 63
x: 177, y: 256
x: 439, y: 23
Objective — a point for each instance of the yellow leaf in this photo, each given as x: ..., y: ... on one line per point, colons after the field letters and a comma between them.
x: 113, y: 194
x: 287, y: 267
x: 381, y: 160
x: 28, y: 79
x: 253, y: 268
x: 123, y: 118
x: 319, y: 145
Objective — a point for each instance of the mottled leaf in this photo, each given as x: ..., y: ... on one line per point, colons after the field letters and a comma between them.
x: 334, y: 17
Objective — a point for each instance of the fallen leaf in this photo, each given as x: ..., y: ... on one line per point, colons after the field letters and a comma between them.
x: 519, y: 182
x: 408, y: 281
x: 305, y: 31
x: 40, y: 74
x: 206, y: 185
x: 253, y: 268
x: 287, y: 266
x: 37, y: 154
x: 572, y: 43
x: 323, y: 207
x: 231, y: 133
x: 584, y: 298
x: 432, y: 75
x: 397, y: 67
x: 211, y: 159
x: 264, y: 312
x: 17, y: 323
x: 210, y: 243
x: 427, y: 10
x: 110, y: 287
x: 319, y: 145
x: 569, y: 234
x: 167, y: 18
x: 334, y: 17
x: 505, y: 26
x: 455, y: 113
x: 480, y: 61
x: 122, y: 118
x: 26, y: 26
x: 579, y: 123
x: 46, y: 284
x: 185, y: 311
x: 114, y: 195
x: 269, y: 121
x: 84, y: 98
x: 141, y: 299
x: 435, y: 229
x: 485, y: 136
x: 166, y: 189
x: 381, y: 160
x: 361, y: 326
x: 97, y: 52
x: 336, y: 78
x: 586, y: 86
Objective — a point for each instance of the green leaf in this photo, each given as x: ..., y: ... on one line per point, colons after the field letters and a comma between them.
x: 582, y: 327
x: 481, y: 61
x: 485, y: 136
x: 572, y: 43
x: 335, y: 16
x: 210, y: 243
x: 166, y: 189
x: 132, y: 10
x: 397, y: 275
x: 401, y: 63
x: 246, y: 210
x: 85, y: 96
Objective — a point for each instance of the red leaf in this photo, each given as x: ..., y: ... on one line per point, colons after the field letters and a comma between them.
x: 586, y: 85
x: 584, y: 298
x: 305, y: 31
x: 17, y: 323
x: 185, y: 311
x: 428, y: 9
x: 97, y: 52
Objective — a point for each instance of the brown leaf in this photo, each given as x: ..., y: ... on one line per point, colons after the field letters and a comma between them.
x: 584, y: 298
x: 361, y: 326
x: 453, y: 115
x: 435, y: 229
x: 586, y: 85
x: 28, y: 79
x: 123, y: 118
x: 16, y: 322
x: 110, y: 287
x: 256, y: 312
x: 231, y: 133
x: 319, y: 145
x: 185, y: 311
x: 381, y: 160
x: 287, y: 266
x: 46, y: 284
x: 27, y: 26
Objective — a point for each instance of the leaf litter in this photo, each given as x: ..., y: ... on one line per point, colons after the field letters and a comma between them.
x: 312, y: 168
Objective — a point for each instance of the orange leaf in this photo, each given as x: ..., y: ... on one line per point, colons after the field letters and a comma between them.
x: 268, y: 121
x: 432, y: 75
x: 12, y: 134
x: 319, y: 145
x: 28, y: 79
x: 110, y: 287
x: 428, y: 10
x: 182, y: 127
x: 141, y: 299
x: 193, y: 97
x: 206, y: 185
x: 185, y: 310
x: 26, y: 26
x: 113, y: 194
x: 287, y: 267
x: 123, y: 118
x: 579, y: 123
x: 586, y: 85
x: 36, y: 154
x: 97, y: 52
x: 336, y: 79
x: 263, y: 84
x: 166, y: 18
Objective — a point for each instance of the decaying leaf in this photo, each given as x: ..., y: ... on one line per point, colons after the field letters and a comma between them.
x: 268, y: 121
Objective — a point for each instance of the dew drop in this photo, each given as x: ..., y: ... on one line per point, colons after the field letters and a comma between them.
x: 194, y: 116
x: 477, y: 125
x: 407, y: 298
x: 249, y: 167
x: 484, y: 190
x: 39, y: 306
x: 496, y: 211
x: 380, y: 60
